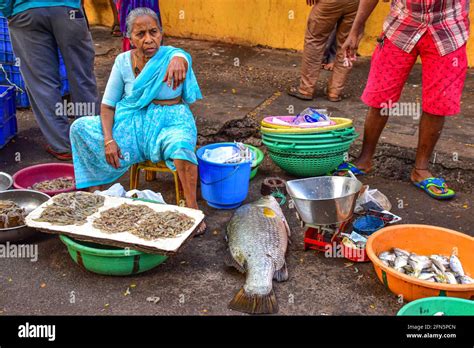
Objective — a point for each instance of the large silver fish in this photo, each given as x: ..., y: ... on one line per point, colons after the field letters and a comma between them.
x: 258, y: 237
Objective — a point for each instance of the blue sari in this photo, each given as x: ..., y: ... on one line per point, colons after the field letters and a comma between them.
x: 142, y: 130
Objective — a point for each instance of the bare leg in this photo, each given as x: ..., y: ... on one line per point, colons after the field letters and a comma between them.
x: 374, y: 125
x: 430, y: 131
x: 116, y: 25
x: 188, y: 174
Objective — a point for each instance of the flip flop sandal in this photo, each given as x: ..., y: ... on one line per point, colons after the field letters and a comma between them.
x: 348, y: 167
x: 293, y: 91
x: 331, y: 99
x: 116, y: 32
x: 439, y: 183
x: 65, y: 156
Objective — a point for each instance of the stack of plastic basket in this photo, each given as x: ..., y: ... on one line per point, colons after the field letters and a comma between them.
x: 8, y: 124
x: 10, y: 68
x: 307, y: 152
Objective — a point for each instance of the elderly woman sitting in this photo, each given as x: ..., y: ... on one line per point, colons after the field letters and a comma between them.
x: 144, y: 113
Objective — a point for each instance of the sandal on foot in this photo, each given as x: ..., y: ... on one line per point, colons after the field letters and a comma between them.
x: 333, y: 98
x: 63, y: 156
x: 348, y: 167
x: 116, y: 32
x: 439, y: 183
x: 294, y: 92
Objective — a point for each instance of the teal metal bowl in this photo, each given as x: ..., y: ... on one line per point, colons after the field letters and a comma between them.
x: 109, y: 260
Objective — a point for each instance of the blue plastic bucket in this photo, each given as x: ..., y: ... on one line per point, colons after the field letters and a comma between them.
x: 223, y: 186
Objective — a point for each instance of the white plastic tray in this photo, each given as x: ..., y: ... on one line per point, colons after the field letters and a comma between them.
x: 87, y: 232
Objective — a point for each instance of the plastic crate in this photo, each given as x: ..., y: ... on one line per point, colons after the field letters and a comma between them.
x: 62, y: 67
x: 12, y: 72
x: 6, y: 51
x: 64, y: 87
x: 8, y: 123
x: 63, y: 75
x: 14, y: 75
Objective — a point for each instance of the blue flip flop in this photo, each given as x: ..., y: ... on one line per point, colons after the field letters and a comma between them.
x: 348, y: 167
x: 439, y: 183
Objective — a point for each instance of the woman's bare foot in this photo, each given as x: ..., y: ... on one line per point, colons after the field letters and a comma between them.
x: 201, y: 229
x: 92, y: 189
x: 418, y: 175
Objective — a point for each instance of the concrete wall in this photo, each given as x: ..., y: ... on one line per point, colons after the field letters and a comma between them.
x: 274, y: 23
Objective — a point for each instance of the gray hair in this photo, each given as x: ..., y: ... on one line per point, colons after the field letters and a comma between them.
x: 138, y: 12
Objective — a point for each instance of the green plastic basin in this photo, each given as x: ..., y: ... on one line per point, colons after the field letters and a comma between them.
x: 259, y: 155
x: 432, y: 305
x: 109, y: 260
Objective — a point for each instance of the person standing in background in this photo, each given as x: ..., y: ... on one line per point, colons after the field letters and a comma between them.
x: 37, y: 29
x: 124, y: 7
x: 330, y: 52
x: 436, y: 32
x: 116, y: 31
x: 324, y: 16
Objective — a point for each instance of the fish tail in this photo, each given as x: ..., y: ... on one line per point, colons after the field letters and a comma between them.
x: 254, y: 304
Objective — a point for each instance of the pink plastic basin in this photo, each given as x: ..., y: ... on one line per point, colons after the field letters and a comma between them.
x: 29, y: 176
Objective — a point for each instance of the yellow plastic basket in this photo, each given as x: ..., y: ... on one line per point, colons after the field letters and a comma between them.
x: 341, y: 123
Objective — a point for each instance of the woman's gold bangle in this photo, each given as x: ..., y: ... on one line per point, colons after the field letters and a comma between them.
x: 109, y: 142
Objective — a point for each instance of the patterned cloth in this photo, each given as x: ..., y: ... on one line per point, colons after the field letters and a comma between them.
x: 142, y: 130
x: 125, y: 6
x: 446, y: 20
x: 442, y: 84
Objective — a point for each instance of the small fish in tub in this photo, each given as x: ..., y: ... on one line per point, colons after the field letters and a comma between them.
x: 433, y: 268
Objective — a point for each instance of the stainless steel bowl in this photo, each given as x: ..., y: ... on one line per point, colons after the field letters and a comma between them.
x: 324, y: 200
x: 6, y: 181
x: 27, y: 199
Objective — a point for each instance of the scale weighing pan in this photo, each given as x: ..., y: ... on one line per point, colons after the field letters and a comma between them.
x: 324, y: 200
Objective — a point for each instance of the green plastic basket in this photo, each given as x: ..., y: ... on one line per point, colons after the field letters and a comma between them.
x: 314, y: 136
x: 304, y: 141
x: 433, y: 305
x: 259, y: 156
x: 309, y: 162
x: 319, y: 148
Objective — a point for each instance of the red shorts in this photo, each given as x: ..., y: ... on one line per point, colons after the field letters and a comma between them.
x: 442, y: 76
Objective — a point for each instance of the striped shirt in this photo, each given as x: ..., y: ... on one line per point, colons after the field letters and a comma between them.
x: 446, y: 20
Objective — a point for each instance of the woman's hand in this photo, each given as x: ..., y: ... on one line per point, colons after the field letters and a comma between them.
x: 113, y: 154
x: 176, y: 72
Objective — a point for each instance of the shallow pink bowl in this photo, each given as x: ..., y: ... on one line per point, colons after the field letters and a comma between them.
x: 28, y: 176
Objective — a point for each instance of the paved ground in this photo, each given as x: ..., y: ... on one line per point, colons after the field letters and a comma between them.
x: 196, y: 281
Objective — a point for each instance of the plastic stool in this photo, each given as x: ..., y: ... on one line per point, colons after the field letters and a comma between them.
x: 156, y: 167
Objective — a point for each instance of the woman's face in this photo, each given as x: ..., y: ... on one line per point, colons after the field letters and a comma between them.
x: 146, y: 35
